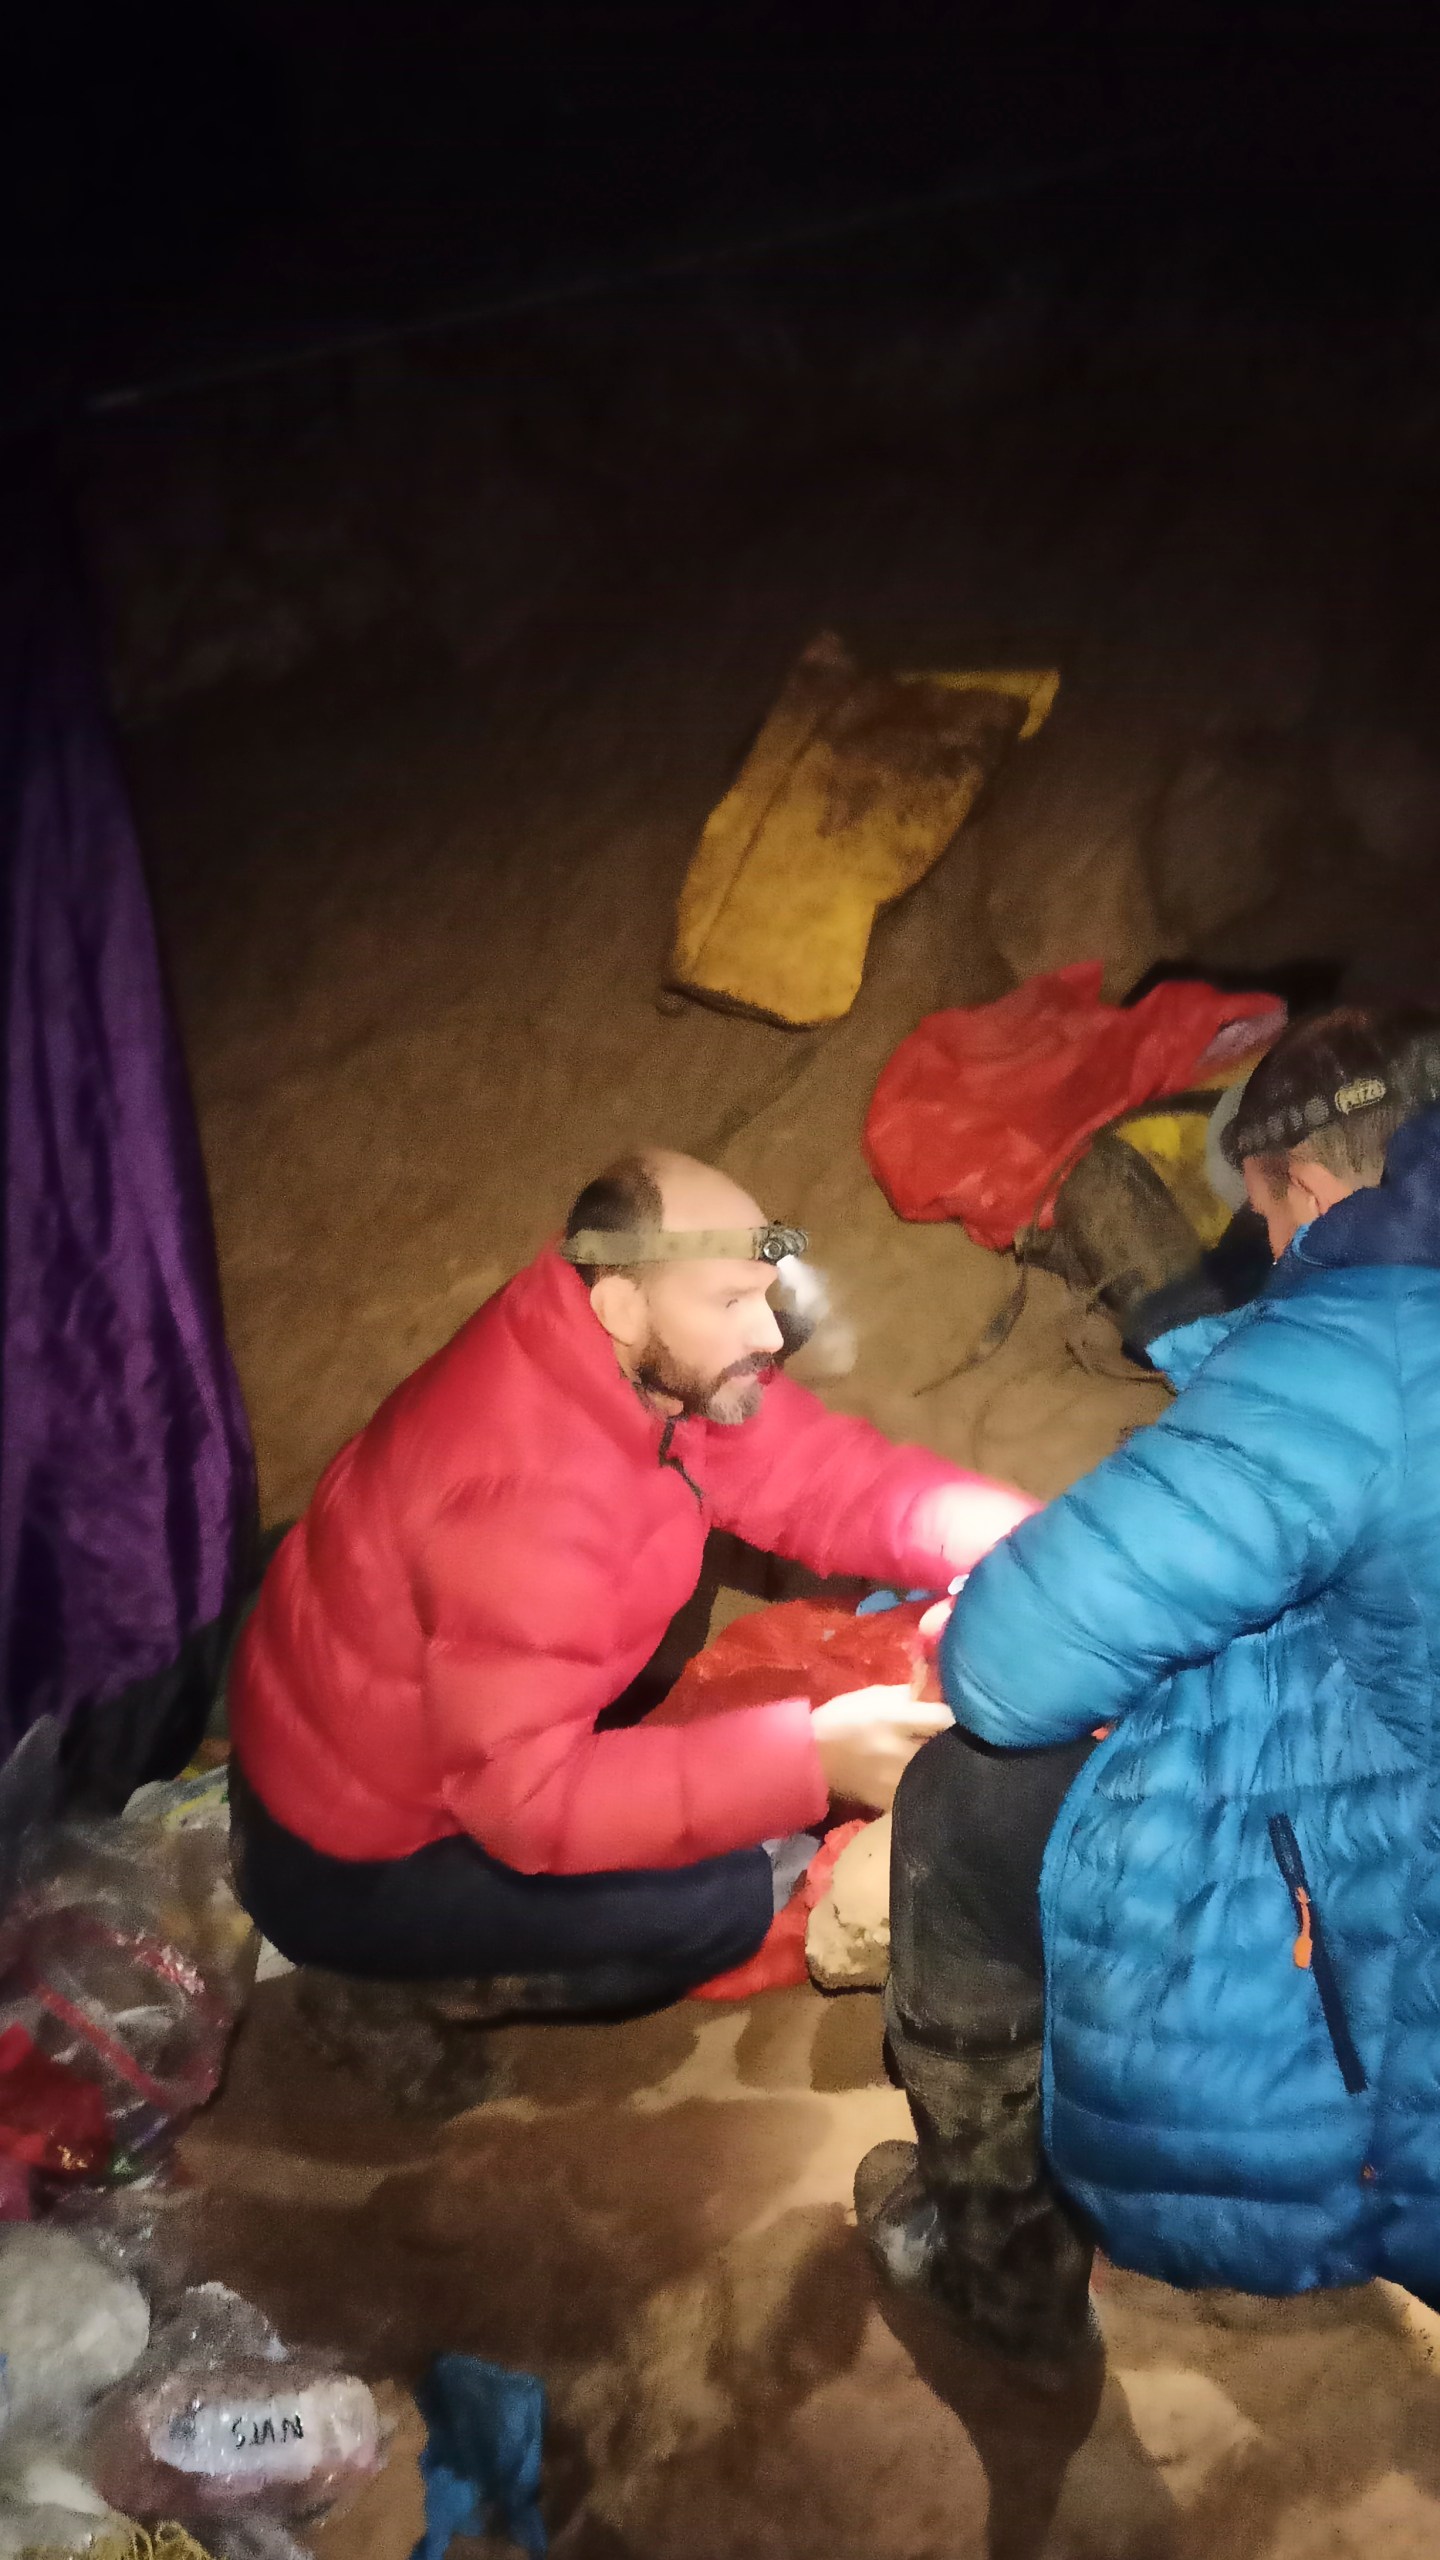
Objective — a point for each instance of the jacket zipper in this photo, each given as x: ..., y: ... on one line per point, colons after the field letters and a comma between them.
x: 666, y: 1460
x: 1312, y: 1955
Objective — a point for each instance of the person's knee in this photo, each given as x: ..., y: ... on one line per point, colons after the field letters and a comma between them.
x: 946, y: 1800
x: 730, y: 1921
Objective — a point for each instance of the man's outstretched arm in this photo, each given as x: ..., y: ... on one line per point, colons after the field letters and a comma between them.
x: 836, y: 1495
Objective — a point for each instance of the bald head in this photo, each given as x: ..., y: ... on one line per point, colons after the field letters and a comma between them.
x: 697, y: 1335
x: 694, y: 1195
x: 656, y: 1190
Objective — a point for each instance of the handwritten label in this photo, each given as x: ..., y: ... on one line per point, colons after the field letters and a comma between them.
x: 280, y: 2438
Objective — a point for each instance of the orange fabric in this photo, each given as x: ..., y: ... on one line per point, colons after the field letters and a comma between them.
x: 821, y: 1651
x: 778, y: 1963
x: 1305, y: 1943
x: 809, y: 1648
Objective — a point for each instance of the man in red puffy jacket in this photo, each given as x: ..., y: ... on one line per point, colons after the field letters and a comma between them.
x: 422, y: 1786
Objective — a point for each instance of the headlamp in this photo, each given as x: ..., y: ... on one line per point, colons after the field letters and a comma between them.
x: 593, y: 1246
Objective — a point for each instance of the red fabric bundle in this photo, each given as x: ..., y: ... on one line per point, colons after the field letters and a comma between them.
x: 797, y: 1648
x: 982, y: 1111
x: 49, y: 2119
x: 778, y: 1963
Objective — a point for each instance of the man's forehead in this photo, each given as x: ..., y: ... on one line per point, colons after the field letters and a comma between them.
x: 720, y: 1275
x: 698, y: 1195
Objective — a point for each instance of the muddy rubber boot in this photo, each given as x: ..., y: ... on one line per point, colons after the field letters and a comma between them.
x: 420, y: 2045
x: 969, y: 2218
x: 899, y: 2221
x: 415, y: 2045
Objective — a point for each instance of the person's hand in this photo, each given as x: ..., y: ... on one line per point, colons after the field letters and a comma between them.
x: 933, y: 1625
x: 962, y: 1521
x: 868, y: 1738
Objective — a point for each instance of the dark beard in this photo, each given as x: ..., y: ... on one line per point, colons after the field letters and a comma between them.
x: 660, y: 1375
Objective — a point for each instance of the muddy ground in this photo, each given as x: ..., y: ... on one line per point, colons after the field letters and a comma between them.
x: 432, y: 673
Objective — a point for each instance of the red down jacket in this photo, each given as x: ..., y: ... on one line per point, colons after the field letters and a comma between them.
x: 499, y: 1552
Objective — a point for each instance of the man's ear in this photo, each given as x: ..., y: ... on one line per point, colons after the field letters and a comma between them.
x: 619, y: 1303
x: 1319, y: 1188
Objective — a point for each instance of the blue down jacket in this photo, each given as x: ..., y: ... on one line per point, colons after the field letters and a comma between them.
x: 1241, y: 1895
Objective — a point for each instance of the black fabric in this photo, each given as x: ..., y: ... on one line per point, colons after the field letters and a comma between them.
x: 152, y: 1729
x: 968, y: 1840
x: 632, y: 1939
x: 157, y: 1725
x: 1303, y: 986
x: 1223, y: 1280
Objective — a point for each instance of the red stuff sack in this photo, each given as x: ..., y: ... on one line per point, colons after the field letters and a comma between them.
x: 796, y: 1648
x: 983, y: 1110
x: 778, y: 1963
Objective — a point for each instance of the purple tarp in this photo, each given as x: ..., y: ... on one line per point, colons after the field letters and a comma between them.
x: 126, y: 1476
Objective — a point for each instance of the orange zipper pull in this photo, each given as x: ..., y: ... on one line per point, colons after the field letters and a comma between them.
x: 1305, y: 1944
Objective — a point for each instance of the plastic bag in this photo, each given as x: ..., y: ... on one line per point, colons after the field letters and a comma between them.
x: 127, y: 1960
x: 69, y: 2328
x: 46, y: 2506
x: 801, y: 1648
x: 199, y: 1799
x: 49, y: 2119
x: 221, y: 2417
x: 981, y: 1111
x: 145, y: 2229
x: 248, y: 2536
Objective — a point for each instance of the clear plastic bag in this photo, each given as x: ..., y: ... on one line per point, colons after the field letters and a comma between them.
x: 127, y: 1959
x: 70, y: 2327
x: 145, y: 2229
x: 46, y: 2505
x: 220, y: 2418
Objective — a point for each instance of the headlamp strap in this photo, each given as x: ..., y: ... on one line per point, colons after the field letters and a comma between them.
x: 593, y: 1246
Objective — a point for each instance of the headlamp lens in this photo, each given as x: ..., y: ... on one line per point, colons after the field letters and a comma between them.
x: 776, y: 1244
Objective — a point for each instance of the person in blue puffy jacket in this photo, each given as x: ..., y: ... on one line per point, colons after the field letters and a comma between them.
x: 1176, y: 1989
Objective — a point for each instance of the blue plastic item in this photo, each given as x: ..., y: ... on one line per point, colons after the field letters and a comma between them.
x: 481, y: 2463
x: 876, y: 1602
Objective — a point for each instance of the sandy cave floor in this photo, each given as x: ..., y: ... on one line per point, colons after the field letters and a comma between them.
x: 654, y: 2217
x: 416, y: 910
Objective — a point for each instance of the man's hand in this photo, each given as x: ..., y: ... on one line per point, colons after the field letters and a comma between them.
x: 964, y: 1520
x: 868, y: 1738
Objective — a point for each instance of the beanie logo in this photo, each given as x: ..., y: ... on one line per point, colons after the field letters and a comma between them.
x: 1362, y: 1095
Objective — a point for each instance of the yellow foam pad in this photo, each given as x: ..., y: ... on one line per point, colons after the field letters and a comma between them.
x: 850, y: 794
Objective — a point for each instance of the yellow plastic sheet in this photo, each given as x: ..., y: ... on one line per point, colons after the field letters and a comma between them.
x: 850, y: 794
x: 1173, y: 1143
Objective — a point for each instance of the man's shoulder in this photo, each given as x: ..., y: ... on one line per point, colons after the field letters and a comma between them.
x: 518, y: 1411
x: 1319, y: 1355
x: 516, y: 1331
x: 1308, y: 1288
x: 486, y: 1402
x: 1365, y: 1314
